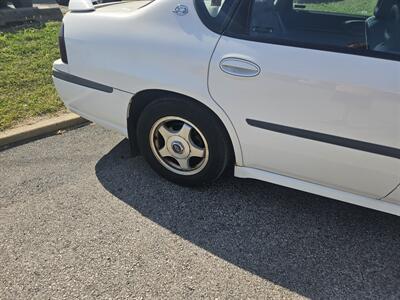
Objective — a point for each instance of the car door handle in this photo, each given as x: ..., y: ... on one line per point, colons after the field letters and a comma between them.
x: 239, y: 67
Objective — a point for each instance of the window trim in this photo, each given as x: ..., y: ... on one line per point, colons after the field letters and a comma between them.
x: 326, y: 48
x: 305, y: 45
x: 219, y: 23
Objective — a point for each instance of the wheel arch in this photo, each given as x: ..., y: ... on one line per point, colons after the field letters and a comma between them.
x: 143, y: 98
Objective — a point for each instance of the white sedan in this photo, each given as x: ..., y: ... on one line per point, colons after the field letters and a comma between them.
x: 292, y: 92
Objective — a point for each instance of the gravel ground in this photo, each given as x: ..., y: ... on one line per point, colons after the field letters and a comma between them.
x: 80, y: 218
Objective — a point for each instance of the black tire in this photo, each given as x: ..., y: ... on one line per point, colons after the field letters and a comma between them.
x: 211, y: 127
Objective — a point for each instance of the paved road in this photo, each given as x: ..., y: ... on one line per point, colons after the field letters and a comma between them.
x: 80, y: 218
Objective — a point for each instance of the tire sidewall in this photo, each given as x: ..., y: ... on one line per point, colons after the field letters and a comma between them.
x: 199, y: 116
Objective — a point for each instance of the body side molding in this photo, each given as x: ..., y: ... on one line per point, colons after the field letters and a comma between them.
x: 327, y: 138
x: 81, y: 81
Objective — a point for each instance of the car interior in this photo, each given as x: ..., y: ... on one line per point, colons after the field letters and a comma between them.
x: 214, y: 6
x: 284, y: 20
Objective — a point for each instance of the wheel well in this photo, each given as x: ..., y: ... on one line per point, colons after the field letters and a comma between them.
x: 140, y: 100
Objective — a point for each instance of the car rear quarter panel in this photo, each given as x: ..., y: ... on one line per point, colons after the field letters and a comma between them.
x: 150, y: 48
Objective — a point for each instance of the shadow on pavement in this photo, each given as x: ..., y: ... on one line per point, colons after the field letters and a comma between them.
x: 311, y: 245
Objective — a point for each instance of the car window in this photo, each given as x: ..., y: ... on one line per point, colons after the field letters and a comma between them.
x: 215, y: 14
x: 214, y: 6
x: 364, y: 27
x: 351, y: 7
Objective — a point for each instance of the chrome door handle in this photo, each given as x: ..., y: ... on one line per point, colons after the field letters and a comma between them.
x: 239, y: 67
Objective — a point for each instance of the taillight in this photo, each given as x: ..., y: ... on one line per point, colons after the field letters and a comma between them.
x: 61, y: 44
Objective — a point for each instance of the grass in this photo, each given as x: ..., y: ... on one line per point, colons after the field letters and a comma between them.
x: 26, y: 88
x: 352, y: 7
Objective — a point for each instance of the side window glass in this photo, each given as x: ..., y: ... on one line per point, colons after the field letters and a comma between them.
x: 350, y: 7
x: 214, y: 7
x: 215, y: 14
x: 362, y: 27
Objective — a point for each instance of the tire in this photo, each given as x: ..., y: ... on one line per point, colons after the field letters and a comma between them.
x: 207, y: 135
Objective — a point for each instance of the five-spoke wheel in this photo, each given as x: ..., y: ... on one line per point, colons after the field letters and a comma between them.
x: 183, y: 141
x: 179, y: 145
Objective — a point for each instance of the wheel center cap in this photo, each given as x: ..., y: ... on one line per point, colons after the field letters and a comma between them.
x: 177, y: 147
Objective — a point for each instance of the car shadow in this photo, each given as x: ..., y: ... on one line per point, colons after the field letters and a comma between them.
x: 317, y: 247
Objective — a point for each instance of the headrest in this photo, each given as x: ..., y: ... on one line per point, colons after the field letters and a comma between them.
x: 263, y: 4
x: 383, y: 8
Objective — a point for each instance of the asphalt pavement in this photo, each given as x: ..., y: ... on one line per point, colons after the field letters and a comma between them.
x: 80, y: 218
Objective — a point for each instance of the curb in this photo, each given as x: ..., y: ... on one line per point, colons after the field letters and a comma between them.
x: 39, y: 129
x: 12, y: 15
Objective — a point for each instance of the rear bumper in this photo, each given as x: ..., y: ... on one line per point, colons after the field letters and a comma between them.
x: 94, y: 101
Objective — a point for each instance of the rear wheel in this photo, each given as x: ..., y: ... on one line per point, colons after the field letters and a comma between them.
x: 183, y: 141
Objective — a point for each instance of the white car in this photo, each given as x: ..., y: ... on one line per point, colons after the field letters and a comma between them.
x: 299, y: 94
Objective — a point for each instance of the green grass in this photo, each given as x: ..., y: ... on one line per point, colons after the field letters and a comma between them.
x: 353, y: 7
x: 26, y: 88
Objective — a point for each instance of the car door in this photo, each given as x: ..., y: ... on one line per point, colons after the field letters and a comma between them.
x: 311, y: 102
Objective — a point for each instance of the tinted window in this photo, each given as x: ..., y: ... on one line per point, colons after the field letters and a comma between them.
x: 215, y: 14
x: 351, y: 7
x: 213, y: 7
x: 352, y: 26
